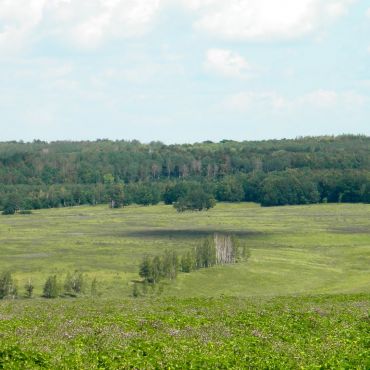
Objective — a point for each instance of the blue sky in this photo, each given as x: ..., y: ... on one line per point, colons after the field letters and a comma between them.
x: 183, y: 70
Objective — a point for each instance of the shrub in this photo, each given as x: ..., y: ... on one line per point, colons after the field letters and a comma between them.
x: 28, y: 287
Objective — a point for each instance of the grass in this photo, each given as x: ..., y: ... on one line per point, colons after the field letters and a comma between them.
x: 295, y: 250
x: 301, y: 301
x: 321, y: 332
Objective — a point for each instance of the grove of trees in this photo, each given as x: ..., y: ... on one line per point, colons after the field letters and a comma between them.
x: 217, y: 250
x: 274, y: 172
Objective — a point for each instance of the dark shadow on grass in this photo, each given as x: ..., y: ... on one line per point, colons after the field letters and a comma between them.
x: 351, y: 230
x: 189, y: 233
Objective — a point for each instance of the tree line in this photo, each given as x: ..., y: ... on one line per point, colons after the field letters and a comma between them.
x: 74, y: 285
x: 275, y: 172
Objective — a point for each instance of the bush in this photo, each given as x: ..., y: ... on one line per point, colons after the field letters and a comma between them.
x: 195, y: 200
x: 28, y: 287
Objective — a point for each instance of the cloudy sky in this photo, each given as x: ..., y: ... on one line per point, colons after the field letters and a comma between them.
x: 183, y: 70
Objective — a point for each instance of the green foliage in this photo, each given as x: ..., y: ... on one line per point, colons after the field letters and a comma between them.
x: 318, y: 332
x: 11, y: 204
x: 195, y: 200
x: 51, y: 287
x: 146, y: 269
x: 288, y: 188
x: 12, y: 357
x: 277, y: 172
x: 187, y: 262
x: 28, y: 288
x: 74, y: 283
x: 205, y: 254
x: 8, y: 286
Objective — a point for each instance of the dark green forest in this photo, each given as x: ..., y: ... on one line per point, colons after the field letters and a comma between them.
x: 272, y: 172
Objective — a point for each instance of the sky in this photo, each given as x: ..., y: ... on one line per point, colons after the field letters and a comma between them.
x: 183, y: 70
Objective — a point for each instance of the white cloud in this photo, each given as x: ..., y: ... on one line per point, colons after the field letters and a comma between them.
x: 86, y: 23
x: 318, y: 99
x: 17, y: 19
x: 368, y: 13
x: 227, y: 63
x: 257, y: 20
x: 248, y: 100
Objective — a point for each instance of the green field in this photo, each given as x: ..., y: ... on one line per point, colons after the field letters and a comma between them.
x: 302, y: 300
x: 294, y: 250
x: 327, y: 332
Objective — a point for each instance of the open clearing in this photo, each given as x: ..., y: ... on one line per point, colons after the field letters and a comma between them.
x: 294, y: 250
x: 301, y: 301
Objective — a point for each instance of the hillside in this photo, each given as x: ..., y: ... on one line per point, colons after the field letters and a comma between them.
x: 294, y: 250
x: 276, y: 172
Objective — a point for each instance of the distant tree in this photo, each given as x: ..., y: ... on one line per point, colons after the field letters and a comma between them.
x: 230, y: 189
x: 174, y: 191
x: 28, y: 287
x: 157, y: 269
x: 74, y: 283
x: 51, y: 287
x: 12, y: 204
x: 146, y: 270
x: 117, y: 196
x: 195, y: 200
x: 170, y: 264
x: 187, y: 262
x: 8, y: 286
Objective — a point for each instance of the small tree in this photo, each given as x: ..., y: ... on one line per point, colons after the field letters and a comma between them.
x: 187, y: 262
x: 8, y: 287
x: 28, y: 287
x: 146, y: 270
x: 195, y: 200
x: 9, y: 208
x: 73, y: 284
x: 51, y: 287
x: 157, y: 269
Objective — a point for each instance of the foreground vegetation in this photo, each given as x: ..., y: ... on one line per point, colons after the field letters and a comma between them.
x: 287, y: 332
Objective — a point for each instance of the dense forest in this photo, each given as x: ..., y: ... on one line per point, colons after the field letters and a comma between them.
x: 273, y: 172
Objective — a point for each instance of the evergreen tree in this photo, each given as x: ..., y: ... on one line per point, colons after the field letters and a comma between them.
x: 51, y: 287
x: 146, y: 270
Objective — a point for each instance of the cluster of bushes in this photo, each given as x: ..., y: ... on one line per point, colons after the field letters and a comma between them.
x: 74, y: 285
x: 211, y: 251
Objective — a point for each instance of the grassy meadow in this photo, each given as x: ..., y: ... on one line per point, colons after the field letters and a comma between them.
x: 302, y: 300
x: 294, y: 250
